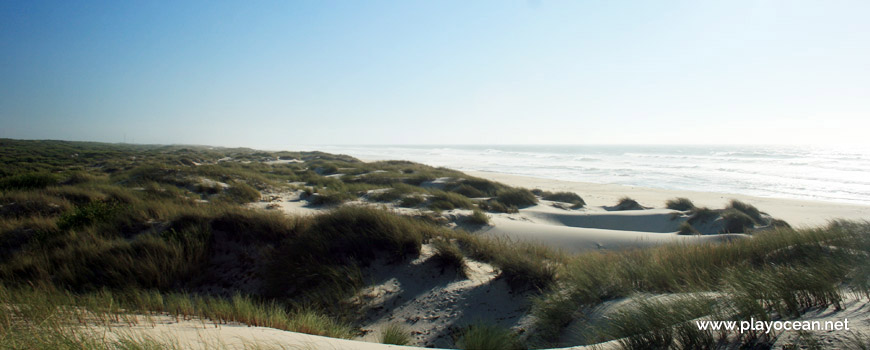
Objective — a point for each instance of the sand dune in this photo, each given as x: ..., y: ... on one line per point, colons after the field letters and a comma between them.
x: 591, y: 229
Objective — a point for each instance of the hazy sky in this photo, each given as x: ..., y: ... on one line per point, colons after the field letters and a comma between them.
x: 283, y: 73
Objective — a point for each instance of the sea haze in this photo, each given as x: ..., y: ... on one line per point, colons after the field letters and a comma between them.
x: 799, y: 172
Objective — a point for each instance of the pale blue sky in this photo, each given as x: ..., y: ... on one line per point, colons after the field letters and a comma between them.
x: 278, y: 74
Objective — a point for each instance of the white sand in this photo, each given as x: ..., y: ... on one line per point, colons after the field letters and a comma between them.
x: 796, y: 212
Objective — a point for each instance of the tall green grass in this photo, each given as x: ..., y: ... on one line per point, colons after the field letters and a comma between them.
x: 782, y: 271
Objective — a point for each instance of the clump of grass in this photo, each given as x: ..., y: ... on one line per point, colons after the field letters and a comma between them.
x: 241, y: 193
x: 441, y: 200
x: 486, y: 337
x: 411, y: 201
x: 329, y: 197
x: 311, y: 322
x: 626, y: 203
x: 478, y: 217
x: 680, y: 203
x: 566, y: 197
x: 517, y: 197
x: 702, y: 215
x: 468, y: 191
x: 495, y: 206
x: 747, y: 209
x: 395, y: 334
x: 523, y: 265
x: 687, y: 229
x: 656, y: 324
x: 448, y: 255
x: 737, y: 222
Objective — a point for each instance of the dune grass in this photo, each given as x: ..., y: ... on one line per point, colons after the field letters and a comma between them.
x: 680, y: 203
x: 448, y: 255
x: 478, y: 217
x: 626, y: 203
x: 516, y: 197
x: 395, y: 334
x: 566, y: 197
x: 42, y: 317
x: 488, y: 337
x: 780, y: 271
x: 123, y: 228
x: 687, y: 229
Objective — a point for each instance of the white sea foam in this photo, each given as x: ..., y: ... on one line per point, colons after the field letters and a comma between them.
x: 813, y: 173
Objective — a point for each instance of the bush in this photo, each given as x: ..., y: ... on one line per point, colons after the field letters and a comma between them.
x: 517, y: 197
x: 241, y: 193
x: 681, y: 204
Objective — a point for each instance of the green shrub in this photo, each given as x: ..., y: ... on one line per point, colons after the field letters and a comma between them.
x: 517, y: 197
x: 681, y: 204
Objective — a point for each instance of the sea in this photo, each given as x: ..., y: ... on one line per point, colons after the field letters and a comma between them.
x: 819, y: 173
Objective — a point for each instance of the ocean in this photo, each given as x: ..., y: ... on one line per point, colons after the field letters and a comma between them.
x: 798, y: 172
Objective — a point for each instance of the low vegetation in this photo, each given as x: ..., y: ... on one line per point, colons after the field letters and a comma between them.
x: 566, y: 197
x: 395, y: 334
x: 681, y: 204
x: 626, y: 203
x: 448, y: 255
x: 485, y: 336
x: 94, y: 233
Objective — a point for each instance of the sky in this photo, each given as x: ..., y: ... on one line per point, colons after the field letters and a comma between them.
x: 276, y: 74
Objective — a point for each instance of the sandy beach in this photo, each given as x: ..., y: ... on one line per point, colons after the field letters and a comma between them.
x: 798, y: 213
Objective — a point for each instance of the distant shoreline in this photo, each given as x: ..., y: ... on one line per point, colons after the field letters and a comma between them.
x: 794, y: 211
